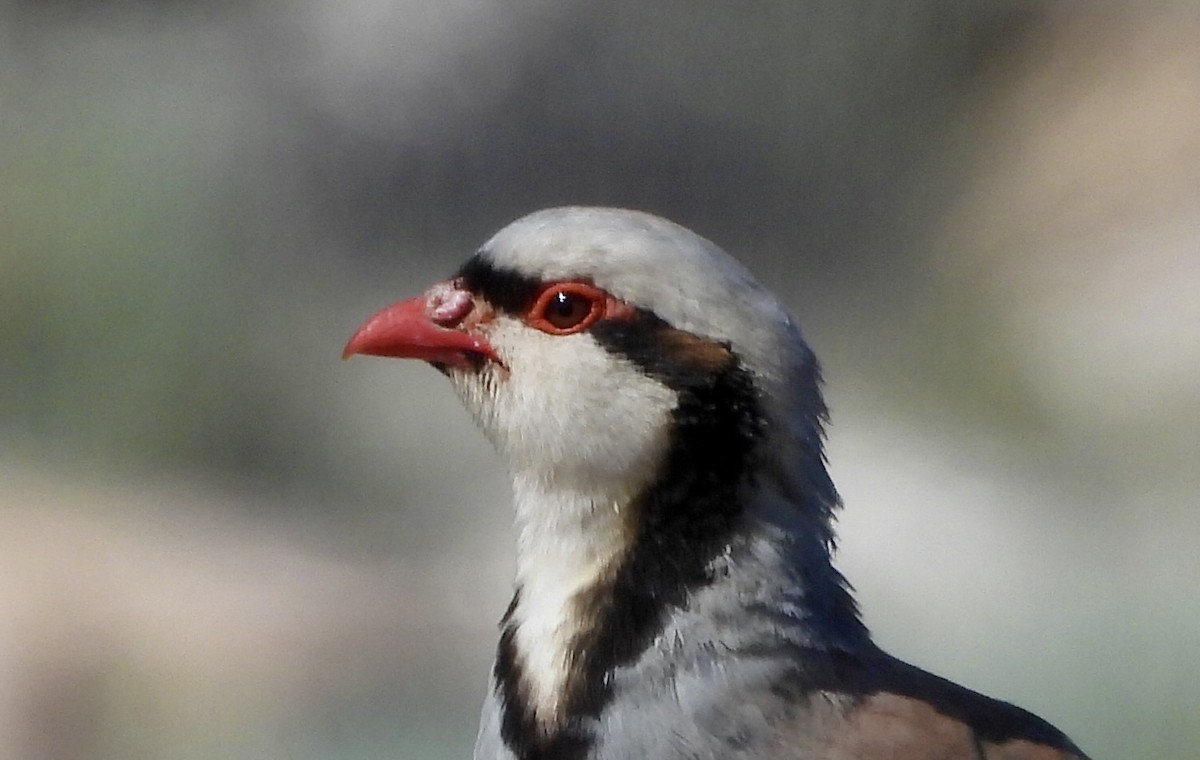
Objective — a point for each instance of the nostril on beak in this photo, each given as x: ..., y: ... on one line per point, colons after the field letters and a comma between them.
x: 447, y: 305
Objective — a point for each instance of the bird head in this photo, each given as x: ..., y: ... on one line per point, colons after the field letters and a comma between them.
x: 582, y: 339
x: 662, y: 419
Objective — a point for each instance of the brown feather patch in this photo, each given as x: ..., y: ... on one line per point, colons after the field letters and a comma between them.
x: 692, y: 350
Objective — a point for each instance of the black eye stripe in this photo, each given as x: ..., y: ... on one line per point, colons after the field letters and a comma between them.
x: 504, y: 289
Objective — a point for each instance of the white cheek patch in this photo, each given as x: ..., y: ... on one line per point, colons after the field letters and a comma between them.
x: 583, y: 431
x: 569, y: 409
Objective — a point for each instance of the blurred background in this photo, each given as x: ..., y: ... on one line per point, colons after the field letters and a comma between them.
x: 217, y: 540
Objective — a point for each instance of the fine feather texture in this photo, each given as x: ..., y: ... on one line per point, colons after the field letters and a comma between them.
x: 675, y: 596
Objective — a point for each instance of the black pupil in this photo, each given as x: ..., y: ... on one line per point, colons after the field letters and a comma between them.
x: 567, y: 310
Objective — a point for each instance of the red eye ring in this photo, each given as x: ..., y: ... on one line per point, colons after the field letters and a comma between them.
x: 567, y: 307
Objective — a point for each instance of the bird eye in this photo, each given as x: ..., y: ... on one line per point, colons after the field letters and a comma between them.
x: 566, y: 310
x: 567, y: 307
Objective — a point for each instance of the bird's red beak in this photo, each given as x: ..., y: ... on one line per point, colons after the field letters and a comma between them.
x: 434, y: 327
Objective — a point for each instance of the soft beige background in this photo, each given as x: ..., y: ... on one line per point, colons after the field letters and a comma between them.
x: 219, y: 541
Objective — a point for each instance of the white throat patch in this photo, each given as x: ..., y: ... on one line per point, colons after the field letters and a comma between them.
x: 567, y: 544
x: 582, y: 431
